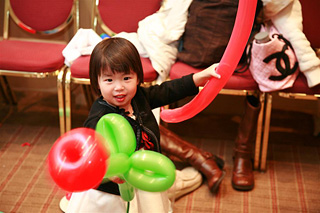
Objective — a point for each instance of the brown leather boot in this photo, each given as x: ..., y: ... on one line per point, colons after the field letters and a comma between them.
x: 242, y: 176
x: 209, y: 165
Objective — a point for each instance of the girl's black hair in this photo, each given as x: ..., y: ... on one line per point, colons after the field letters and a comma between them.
x: 115, y: 55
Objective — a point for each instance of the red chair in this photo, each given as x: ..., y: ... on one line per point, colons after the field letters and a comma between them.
x: 40, y: 57
x: 300, y: 89
x: 240, y: 84
x: 111, y: 17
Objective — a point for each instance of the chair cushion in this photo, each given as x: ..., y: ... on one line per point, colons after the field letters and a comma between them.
x: 31, y: 56
x: 149, y: 74
x: 301, y: 86
x: 80, y: 68
x: 238, y: 81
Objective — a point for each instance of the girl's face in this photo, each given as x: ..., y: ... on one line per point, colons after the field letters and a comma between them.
x: 118, y: 88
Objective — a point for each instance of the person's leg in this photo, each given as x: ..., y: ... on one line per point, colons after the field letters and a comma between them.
x: 209, y: 165
x: 187, y: 180
x: 242, y: 176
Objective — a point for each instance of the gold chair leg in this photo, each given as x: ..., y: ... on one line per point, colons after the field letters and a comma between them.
x: 259, y: 132
x: 8, y: 92
x: 266, y: 132
x: 61, y: 101
x: 67, y: 86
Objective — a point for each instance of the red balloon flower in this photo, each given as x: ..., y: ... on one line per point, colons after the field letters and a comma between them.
x: 77, y: 160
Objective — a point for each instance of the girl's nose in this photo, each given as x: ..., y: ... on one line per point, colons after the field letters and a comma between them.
x: 119, y: 86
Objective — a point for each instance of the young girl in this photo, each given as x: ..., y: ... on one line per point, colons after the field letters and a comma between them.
x: 116, y: 76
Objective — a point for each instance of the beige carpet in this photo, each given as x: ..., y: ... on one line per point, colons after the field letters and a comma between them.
x: 290, y: 184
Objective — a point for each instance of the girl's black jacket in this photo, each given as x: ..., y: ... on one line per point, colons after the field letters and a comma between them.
x: 143, y: 102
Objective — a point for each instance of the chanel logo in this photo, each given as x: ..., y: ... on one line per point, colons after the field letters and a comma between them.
x: 282, y: 56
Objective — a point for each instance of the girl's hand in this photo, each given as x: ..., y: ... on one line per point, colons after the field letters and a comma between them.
x: 201, y: 78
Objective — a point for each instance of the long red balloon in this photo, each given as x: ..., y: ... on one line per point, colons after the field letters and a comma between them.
x: 230, y: 59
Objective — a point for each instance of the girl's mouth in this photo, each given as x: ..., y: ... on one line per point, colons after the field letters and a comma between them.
x: 120, y: 98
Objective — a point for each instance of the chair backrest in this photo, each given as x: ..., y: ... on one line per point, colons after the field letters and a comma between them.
x: 40, y: 16
x: 311, y: 19
x: 123, y: 15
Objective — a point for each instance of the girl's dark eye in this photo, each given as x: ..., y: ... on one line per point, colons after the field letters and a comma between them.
x: 126, y: 78
x: 109, y: 80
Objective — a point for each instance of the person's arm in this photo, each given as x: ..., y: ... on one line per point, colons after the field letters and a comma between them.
x: 171, y: 91
x: 202, y: 77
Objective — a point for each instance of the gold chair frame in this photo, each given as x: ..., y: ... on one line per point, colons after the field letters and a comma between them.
x: 265, y: 141
x: 309, y: 22
x: 8, y: 93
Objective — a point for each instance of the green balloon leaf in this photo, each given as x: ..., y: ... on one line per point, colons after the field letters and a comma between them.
x: 144, y: 169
